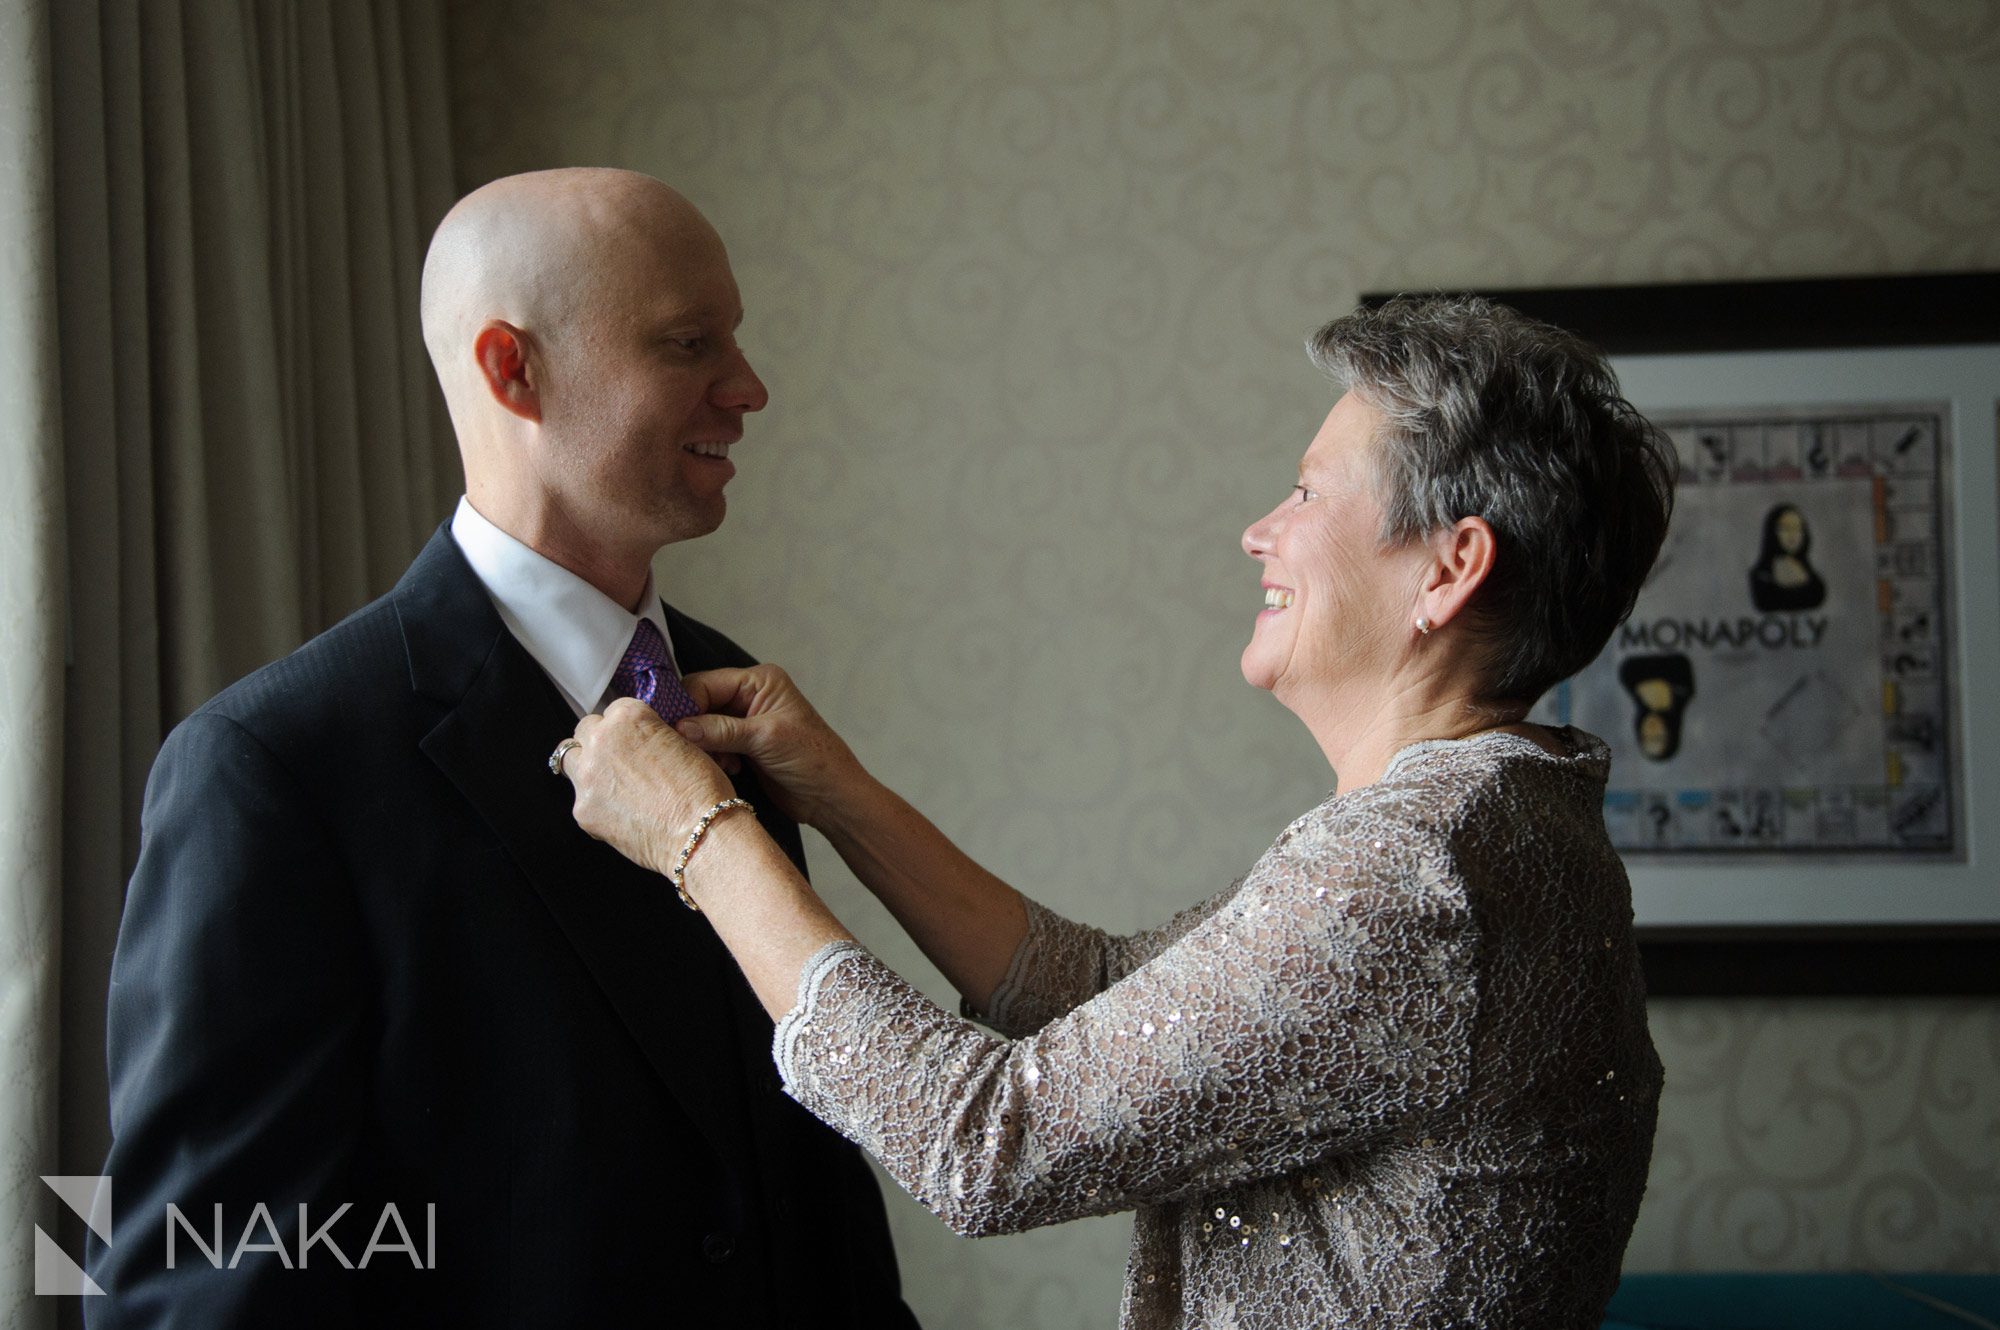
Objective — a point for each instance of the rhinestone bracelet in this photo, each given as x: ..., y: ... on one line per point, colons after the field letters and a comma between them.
x: 679, y: 876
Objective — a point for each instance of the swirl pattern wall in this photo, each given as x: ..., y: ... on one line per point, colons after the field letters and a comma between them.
x: 1028, y: 282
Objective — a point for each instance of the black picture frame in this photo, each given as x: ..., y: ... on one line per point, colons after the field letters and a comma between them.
x: 1929, y: 309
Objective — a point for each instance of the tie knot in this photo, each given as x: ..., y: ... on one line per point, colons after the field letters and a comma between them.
x: 647, y: 672
x: 647, y: 651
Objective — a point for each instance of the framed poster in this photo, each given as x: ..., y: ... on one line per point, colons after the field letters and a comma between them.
x: 1784, y: 685
x: 1804, y: 708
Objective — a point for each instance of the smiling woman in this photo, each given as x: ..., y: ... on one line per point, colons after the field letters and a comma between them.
x: 1397, y: 1075
x: 1338, y: 606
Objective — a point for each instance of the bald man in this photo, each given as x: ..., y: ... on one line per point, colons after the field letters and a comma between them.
x: 392, y: 1042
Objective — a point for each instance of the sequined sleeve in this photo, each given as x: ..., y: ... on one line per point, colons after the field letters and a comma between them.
x: 1061, y: 964
x: 1325, y: 1004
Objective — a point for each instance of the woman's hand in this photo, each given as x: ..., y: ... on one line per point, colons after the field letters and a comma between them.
x: 760, y: 713
x: 639, y: 786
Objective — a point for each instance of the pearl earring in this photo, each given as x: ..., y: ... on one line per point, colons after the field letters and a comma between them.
x: 1423, y: 626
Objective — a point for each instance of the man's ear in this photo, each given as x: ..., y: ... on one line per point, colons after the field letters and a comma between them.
x: 501, y: 351
x: 1461, y: 560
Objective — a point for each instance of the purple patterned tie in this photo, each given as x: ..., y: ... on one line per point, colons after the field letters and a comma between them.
x: 647, y: 673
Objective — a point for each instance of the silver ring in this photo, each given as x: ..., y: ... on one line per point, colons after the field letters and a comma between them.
x: 562, y: 751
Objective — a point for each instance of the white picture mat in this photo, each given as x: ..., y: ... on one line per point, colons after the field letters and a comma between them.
x: 1865, y: 889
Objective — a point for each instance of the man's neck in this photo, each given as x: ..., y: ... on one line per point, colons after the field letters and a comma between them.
x: 621, y: 574
x: 623, y: 579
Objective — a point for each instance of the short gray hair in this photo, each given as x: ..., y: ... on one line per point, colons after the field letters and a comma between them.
x: 1487, y: 413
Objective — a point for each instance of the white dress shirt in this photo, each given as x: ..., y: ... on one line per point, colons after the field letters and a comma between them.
x: 575, y: 632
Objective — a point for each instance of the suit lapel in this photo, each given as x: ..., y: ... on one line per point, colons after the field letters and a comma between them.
x: 696, y: 648
x: 660, y: 966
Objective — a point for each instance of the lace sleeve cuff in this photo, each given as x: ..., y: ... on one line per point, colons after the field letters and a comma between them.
x: 1000, y: 1004
x: 784, y: 1039
x: 1058, y: 967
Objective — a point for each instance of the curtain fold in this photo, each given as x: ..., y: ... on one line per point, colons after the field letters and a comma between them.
x: 220, y: 436
x: 31, y: 666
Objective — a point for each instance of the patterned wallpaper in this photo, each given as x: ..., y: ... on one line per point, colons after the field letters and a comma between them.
x: 1028, y: 282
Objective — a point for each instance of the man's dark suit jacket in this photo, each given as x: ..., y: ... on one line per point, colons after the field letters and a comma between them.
x: 368, y: 958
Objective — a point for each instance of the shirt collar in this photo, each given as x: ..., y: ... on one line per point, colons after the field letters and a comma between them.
x: 574, y: 631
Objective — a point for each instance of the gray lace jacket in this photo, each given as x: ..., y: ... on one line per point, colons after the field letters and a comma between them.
x: 1399, y: 1075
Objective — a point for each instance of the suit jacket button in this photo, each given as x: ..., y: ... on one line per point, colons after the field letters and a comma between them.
x: 717, y: 1248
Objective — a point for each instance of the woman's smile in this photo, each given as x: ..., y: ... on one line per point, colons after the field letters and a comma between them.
x: 1277, y: 599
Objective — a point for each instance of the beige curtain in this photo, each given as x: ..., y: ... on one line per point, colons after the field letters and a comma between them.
x: 31, y: 655
x: 215, y: 213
